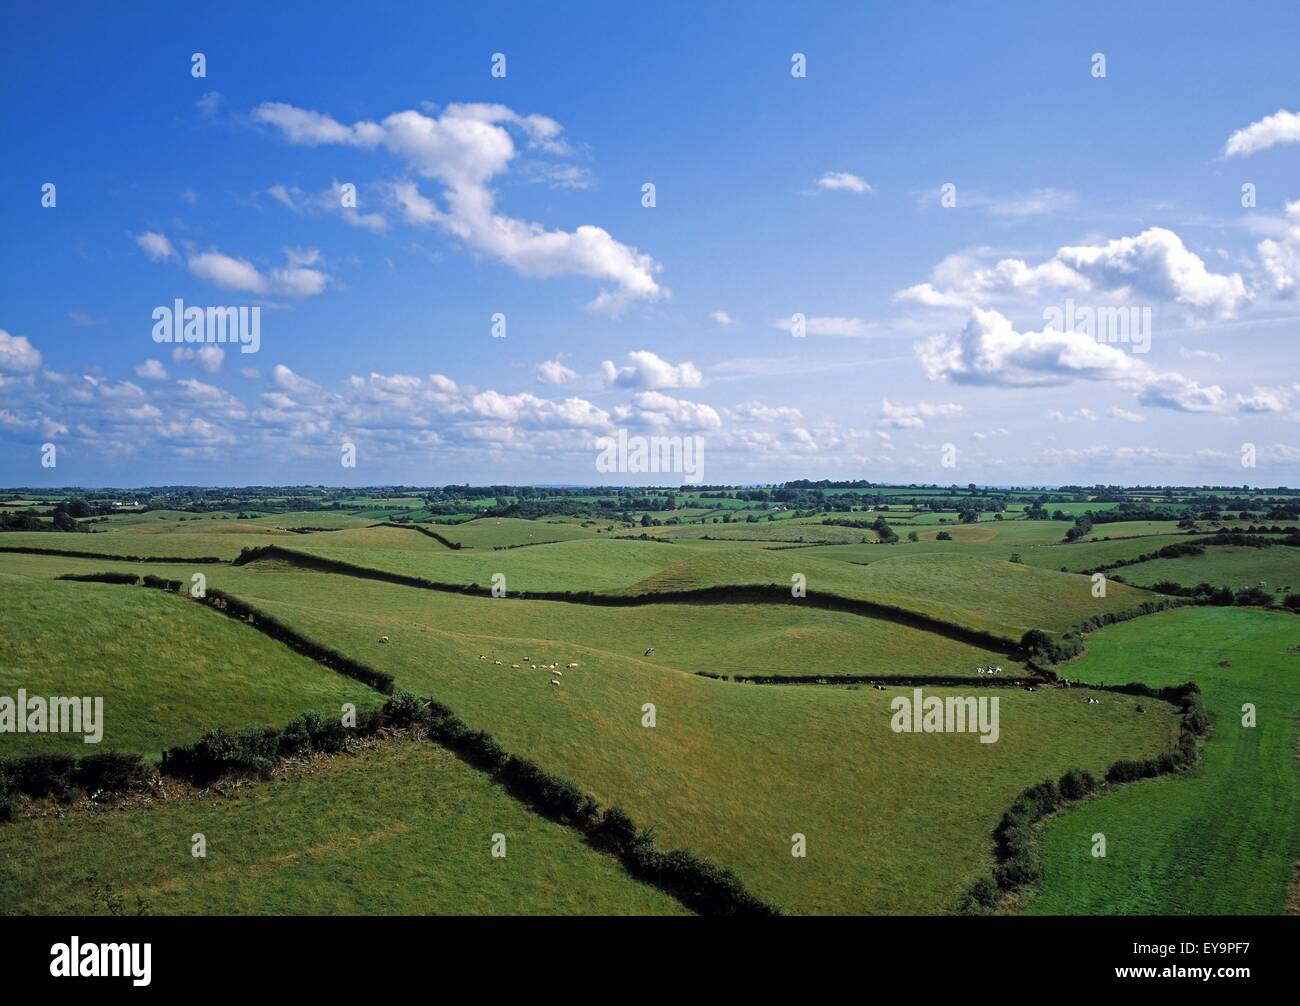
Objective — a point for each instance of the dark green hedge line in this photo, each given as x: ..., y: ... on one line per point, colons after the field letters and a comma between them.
x: 160, y: 583
x: 423, y: 530
x: 1015, y: 847
x: 700, y: 885
x: 1041, y: 647
x: 124, y: 578
x: 772, y: 593
x: 1196, y: 547
x: 68, y: 553
x: 59, y: 775
x: 220, y: 601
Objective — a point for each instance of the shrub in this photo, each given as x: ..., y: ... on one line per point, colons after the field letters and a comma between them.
x: 110, y: 770
x: 615, y: 832
x: 1254, y: 597
x: 1076, y: 784
x: 403, y: 709
x: 221, y: 752
x: 42, y: 774
x: 7, y: 793
x: 124, y: 578
x: 983, y: 892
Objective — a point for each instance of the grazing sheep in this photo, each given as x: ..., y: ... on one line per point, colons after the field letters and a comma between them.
x: 1141, y: 709
x: 648, y: 652
x: 383, y: 639
x: 554, y: 682
x: 482, y: 656
x: 570, y: 665
x: 515, y: 666
x: 497, y: 662
x: 558, y: 674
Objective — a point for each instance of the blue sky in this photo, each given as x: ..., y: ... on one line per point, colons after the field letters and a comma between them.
x: 776, y: 195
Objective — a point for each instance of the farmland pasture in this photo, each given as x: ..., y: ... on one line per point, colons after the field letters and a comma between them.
x: 1223, y: 840
x: 983, y: 595
x: 895, y: 823
x: 730, y: 770
x: 166, y: 668
x: 1276, y: 568
x: 406, y: 823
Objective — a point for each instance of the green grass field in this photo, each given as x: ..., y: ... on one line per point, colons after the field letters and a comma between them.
x: 404, y: 828
x: 1276, y: 568
x: 1223, y: 840
x: 987, y: 595
x: 895, y: 823
x: 730, y: 770
x: 167, y: 669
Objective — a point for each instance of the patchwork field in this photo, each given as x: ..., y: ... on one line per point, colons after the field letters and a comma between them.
x: 166, y: 669
x: 632, y: 685
x: 1224, y: 840
x: 1275, y: 569
x: 402, y: 829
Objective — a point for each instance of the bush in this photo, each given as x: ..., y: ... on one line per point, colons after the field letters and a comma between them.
x: 1253, y: 597
x: 1076, y: 784
x: 110, y: 770
x: 42, y: 774
x: 124, y: 578
x: 983, y: 892
x: 221, y: 752
x: 404, y: 709
x: 615, y: 832
x: 7, y: 792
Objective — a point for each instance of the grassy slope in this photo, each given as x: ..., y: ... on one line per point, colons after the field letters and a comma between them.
x: 166, y: 668
x: 1223, y: 840
x: 404, y: 828
x: 1003, y: 598
x: 1224, y: 565
x: 759, y: 639
x: 986, y: 594
x: 731, y: 770
x: 190, y: 539
x: 493, y: 532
